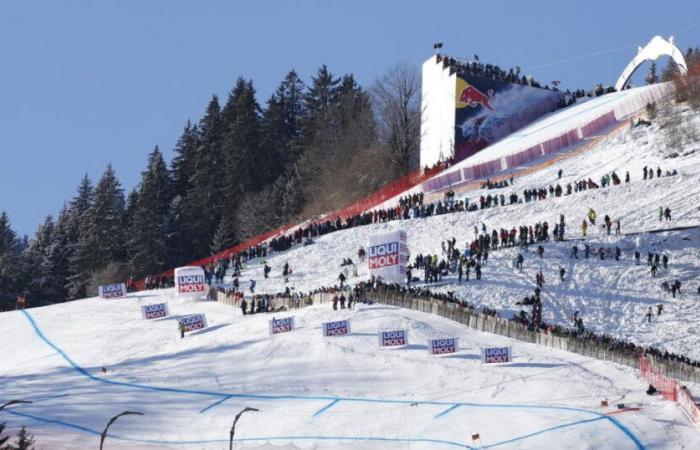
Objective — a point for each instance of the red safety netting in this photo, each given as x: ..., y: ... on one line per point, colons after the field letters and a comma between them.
x: 670, y: 389
x: 598, y: 124
x: 665, y: 385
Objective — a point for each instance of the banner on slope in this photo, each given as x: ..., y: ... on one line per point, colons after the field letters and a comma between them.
x: 487, y: 110
x: 339, y: 328
x: 281, y: 325
x: 388, y: 255
x: 393, y: 338
x: 112, y: 290
x: 496, y: 355
x: 194, y: 322
x: 442, y: 346
x: 189, y: 281
x: 155, y: 311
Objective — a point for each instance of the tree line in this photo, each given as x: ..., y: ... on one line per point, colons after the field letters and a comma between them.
x: 238, y: 171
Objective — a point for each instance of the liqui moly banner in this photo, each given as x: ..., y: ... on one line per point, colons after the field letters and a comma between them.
x: 112, y: 290
x: 393, y: 338
x: 281, y: 325
x: 155, y: 311
x: 194, y: 322
x: 496, y: 355
x: 387, y: 256
x: 442, y: 346
x: 339, y: 328
x: 189, y: 281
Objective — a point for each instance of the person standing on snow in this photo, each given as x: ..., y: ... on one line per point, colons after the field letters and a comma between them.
x: 592, y: 216
x: 584, y: 227
x: 562, y: 272
x: 574, y: 252
x: 181, y: 327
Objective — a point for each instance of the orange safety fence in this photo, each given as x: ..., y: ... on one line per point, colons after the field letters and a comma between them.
x: 670, y: 388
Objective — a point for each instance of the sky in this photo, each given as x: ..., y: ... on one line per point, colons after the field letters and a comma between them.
x: 84, y: 83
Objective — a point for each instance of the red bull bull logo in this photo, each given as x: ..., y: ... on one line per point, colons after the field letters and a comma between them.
x: 469, y: 95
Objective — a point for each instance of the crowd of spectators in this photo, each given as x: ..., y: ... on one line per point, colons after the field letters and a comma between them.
x: 610, y: 342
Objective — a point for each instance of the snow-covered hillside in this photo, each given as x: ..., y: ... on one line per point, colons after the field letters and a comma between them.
x: 312, y: 392
x: 344, y: 392
x: 611, y: 296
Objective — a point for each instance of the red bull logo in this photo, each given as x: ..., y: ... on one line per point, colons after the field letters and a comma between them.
x: 469, y: 95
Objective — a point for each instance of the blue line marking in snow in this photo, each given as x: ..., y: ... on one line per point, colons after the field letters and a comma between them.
x: 81, y: 370
x: 546, y: 430
x: 448, y: 410
x: 322, y: 410
x: 261, y: 438
x: 216, y: 403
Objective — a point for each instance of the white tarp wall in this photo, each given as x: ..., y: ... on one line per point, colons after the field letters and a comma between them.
x: 549, y: 134
x: 387, y: 256
x: 189, y: 281
x: 437, y: 113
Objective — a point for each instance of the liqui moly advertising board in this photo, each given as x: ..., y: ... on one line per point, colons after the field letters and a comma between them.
x: 155, y: 311
x: 112, y: 290
x: 189, y: 281
x: 442, y: 346
x: 281, y: 325
x: 496, y: 355
x: 194, y: 322
x: 339, y: 328
x: 393, y: 338
x: 387, y: 256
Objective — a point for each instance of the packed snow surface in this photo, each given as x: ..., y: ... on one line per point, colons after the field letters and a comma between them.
x: 312, y: 392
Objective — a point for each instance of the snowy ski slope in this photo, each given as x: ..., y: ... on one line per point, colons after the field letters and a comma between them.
x: 344, y: 392
x: 611, y: 296
x: 313, y: 392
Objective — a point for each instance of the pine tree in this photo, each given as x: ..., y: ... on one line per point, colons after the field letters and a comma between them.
x: 293, y: 194
x: 282, y: 126
x: 671, y: 71
x: 25, y: 441
x: 223, y: 237
x: 10, y: 264
x: 242, y: 156
x: 3, y: 437
x: 71, y: 220
x: 320, y: 98
x: 131, y: 204
x: 201, y: 206
x: 241, y: 142
x: 651, y: 76
x: 184, y: 161
x: 148, y: 241
x: 44, y: 281
x: 102, y: 238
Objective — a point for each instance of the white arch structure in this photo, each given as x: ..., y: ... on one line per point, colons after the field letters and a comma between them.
x: 657, y: 47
